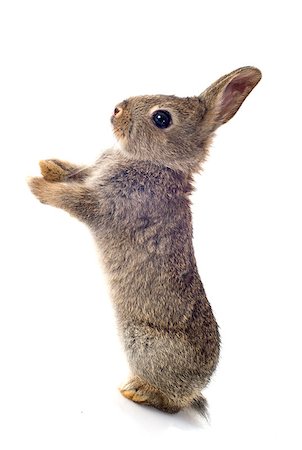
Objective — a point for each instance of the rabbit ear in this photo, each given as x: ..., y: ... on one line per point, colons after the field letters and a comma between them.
x: 224, y: 97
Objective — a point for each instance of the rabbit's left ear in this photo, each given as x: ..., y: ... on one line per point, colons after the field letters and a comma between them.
x: 224, y: 97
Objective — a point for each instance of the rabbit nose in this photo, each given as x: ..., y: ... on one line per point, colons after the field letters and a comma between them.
x: 118, y: 111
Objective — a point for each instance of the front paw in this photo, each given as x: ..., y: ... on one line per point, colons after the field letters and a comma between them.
x: 40, y: 188
x: 54, y: 170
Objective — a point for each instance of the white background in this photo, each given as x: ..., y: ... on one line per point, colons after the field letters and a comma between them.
x: 64, y: 65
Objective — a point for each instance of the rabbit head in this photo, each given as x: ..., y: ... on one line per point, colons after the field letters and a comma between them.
x: 177, y: 131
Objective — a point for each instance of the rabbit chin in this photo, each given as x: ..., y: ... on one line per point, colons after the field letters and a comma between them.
x: 121, y: 145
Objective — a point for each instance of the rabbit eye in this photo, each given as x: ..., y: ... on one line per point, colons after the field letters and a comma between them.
x: 162, y: 119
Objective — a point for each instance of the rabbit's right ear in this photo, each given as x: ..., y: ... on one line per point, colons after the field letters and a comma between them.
x: 224, y: 97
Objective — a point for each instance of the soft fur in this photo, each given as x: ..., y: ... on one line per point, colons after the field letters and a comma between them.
x: 136, y: 203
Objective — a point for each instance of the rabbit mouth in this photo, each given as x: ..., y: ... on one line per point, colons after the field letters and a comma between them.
x: 122, y: 134
x: 119, y: 133
x: 122, y: 122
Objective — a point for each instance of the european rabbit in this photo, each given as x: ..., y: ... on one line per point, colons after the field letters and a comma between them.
x: 136, y: 203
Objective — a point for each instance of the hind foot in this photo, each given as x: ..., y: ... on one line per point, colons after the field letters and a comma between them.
x: 139, y: 391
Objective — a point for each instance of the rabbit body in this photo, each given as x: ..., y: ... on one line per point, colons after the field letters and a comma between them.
x: 169, y: 332
x: 135, y: 201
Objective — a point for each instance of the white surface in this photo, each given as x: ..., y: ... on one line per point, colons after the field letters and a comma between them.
x: 64, y: 65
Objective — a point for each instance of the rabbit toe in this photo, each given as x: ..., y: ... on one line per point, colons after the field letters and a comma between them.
x: 52, y: 170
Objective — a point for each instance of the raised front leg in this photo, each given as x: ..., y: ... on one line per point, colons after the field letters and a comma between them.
x: 75, y: 198
x: 56, y: 170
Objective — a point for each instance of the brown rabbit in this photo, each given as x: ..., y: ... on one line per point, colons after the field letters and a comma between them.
x: 135, y: 201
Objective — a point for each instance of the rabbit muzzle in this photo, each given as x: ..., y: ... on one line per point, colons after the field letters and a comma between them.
x: 121, y: 120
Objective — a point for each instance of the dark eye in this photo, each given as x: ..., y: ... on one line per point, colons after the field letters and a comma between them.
x: 162, y: 119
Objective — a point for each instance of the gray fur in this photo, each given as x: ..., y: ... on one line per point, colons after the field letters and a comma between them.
x: 136, y: 203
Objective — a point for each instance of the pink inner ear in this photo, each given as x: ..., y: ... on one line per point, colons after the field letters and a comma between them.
x: 235, y: 88
x: 239, y: 86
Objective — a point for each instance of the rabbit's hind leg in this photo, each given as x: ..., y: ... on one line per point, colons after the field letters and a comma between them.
x: 141, y: 391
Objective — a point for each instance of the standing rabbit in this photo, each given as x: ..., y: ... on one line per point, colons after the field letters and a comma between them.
x: 136, y: 202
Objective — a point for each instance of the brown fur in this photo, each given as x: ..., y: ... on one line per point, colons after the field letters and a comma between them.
x: 136, y: 202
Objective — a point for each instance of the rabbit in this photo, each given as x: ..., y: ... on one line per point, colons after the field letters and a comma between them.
x: 135, y: 200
